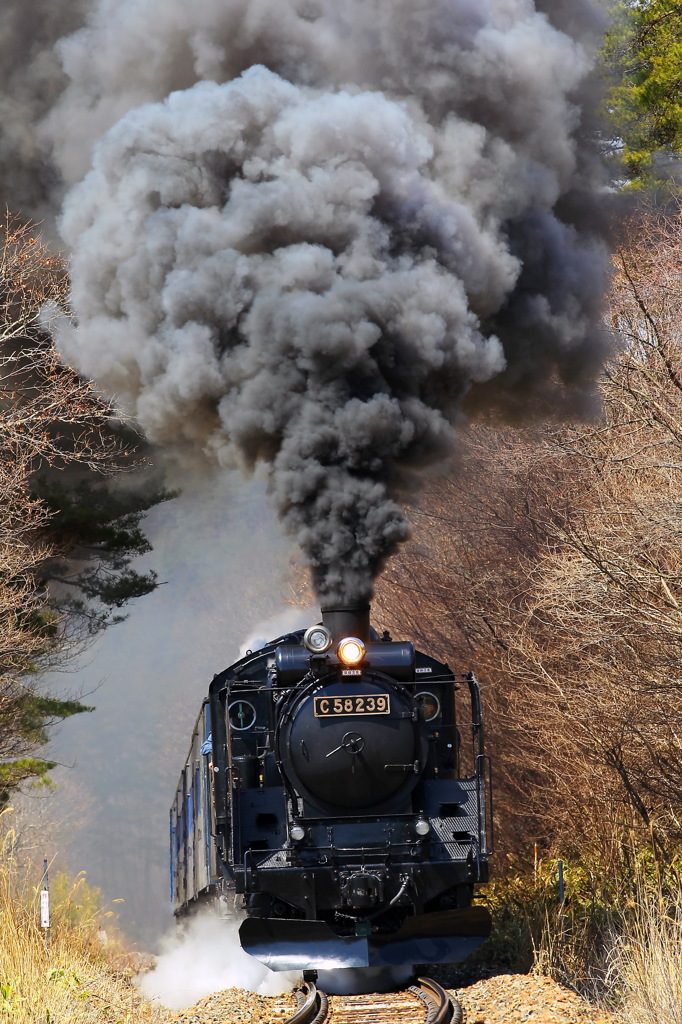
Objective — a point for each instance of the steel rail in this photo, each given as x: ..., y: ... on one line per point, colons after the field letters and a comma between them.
x: 440, y: 1008
x: 312, y: 1006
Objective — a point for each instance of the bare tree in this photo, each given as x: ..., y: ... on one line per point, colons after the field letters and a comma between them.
x: 551, y: 563
x: 48, y: 417
x: 601, y: 643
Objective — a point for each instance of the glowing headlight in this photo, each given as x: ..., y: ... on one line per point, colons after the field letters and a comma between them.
x: 317, y: 639
x: 422, y: 827
x: 351, y: 651
x: 297, y: 833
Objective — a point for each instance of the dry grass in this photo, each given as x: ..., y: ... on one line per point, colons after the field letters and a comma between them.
x: 72, y: 979
x: 627, y: 958
x: 646, y: 963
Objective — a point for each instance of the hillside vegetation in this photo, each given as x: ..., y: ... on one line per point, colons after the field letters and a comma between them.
x: 72, y: 974
x: 551, y: 564
x: 549, y: 561
x: 66, y: 537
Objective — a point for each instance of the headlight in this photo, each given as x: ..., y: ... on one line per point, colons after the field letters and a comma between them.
x: 297, y: 833
x: 351, y: 651
x: 422, y: 827
x: 317, y: 639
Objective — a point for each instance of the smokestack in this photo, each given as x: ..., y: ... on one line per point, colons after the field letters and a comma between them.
x: 352, y: 620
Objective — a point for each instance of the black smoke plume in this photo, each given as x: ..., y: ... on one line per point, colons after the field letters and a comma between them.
x: 313, y: 228
x: 31, y: 80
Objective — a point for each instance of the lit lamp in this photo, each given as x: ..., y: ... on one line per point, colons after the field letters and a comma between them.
x: 351, y: 651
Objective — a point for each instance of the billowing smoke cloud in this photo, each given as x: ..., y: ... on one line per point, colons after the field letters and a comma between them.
x: 204, y: 957
x: 31, y: 79
x: 333, y: 223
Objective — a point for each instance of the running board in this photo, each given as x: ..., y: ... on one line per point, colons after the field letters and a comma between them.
x: 293, y: 945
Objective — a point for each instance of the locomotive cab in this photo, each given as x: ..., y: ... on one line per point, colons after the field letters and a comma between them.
x: 348, y: 817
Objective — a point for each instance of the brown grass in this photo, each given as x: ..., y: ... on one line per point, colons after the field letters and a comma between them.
x: 70, y: 978
x: 645, y: 973
x: 626, y: 957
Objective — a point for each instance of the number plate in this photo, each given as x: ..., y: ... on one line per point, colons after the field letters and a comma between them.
x: 352, y: 704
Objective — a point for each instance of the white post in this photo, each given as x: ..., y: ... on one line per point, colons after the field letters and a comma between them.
x: 45, y: 903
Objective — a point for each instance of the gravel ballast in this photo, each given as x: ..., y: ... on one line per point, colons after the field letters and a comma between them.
x: 501, y: 999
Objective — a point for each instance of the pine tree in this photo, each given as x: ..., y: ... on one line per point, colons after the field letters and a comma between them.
x: 65, y: 524
x: 642, y: 58
x: 94, y: 528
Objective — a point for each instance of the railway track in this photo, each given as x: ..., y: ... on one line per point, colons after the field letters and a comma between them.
x: 436, y: 1006
x: 312, y: 1008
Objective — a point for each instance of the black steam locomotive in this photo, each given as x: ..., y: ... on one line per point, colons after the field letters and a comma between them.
x: 332, y: 789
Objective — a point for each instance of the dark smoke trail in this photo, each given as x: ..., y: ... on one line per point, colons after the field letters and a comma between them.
x: 31, y: 79
x: 307, y: 263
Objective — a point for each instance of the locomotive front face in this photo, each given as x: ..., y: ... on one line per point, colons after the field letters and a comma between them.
x: 352, y: 745
x: 330, y: 777
x: 374, y: 870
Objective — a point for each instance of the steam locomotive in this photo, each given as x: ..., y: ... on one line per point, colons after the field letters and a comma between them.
x: 334, y: 795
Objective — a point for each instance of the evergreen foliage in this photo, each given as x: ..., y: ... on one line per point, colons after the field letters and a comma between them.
x: 642, y: 58
x: 32, y: 715
x: 68, y: 530
x: 95, y: 530
x: 14, y: 772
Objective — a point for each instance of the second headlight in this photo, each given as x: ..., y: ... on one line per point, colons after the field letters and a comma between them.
x: 317, y: 639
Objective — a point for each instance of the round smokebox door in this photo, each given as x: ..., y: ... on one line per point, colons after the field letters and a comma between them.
x: 352, y: 745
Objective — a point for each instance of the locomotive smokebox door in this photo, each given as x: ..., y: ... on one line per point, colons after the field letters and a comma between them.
x: 353, y: 746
